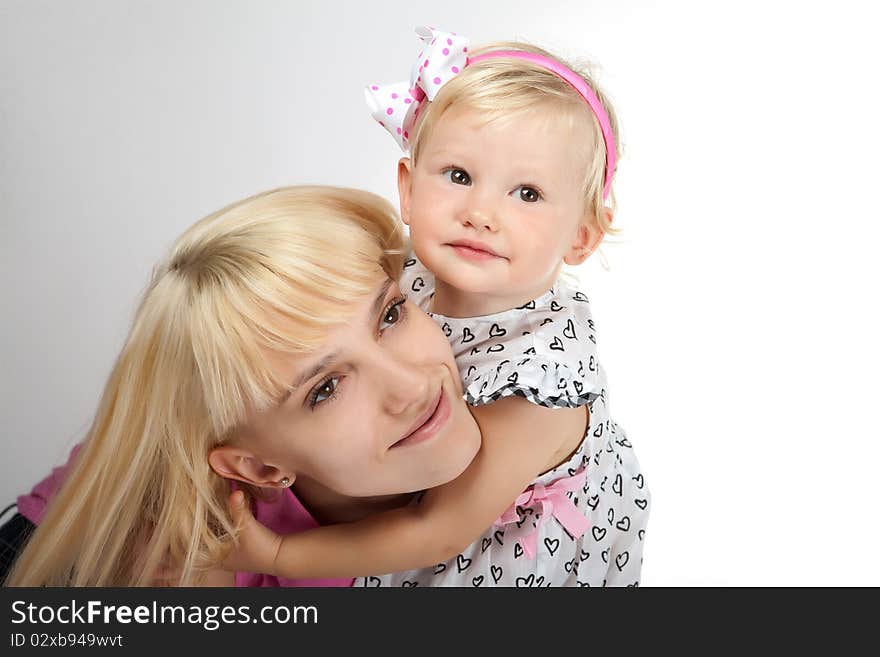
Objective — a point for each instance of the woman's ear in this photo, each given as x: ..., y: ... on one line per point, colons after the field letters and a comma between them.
x: 404, y: 187
x: 587, y: 239
x: 232, y: 462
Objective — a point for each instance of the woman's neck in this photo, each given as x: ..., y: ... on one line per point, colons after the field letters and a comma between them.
x: 329, y: 507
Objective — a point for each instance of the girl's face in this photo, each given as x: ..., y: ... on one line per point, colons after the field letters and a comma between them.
x: 494, y: 208
x: 376, y: 410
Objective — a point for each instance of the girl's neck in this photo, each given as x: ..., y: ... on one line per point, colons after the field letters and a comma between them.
x: 453, y: 302
x: 328, y: 507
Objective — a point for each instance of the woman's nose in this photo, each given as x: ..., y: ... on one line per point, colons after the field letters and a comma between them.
x: 405, y: 384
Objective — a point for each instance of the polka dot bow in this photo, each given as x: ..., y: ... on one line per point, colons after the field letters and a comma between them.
x: 396, y: 106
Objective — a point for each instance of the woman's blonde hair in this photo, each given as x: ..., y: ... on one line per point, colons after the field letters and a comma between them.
x: 500, y: 87
x: 272, y: 273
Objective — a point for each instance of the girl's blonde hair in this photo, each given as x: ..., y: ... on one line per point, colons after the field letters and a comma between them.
x: 272, y: 273
x: 499, y: 87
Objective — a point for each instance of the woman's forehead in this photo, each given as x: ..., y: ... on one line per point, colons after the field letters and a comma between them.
x: 297, y: 368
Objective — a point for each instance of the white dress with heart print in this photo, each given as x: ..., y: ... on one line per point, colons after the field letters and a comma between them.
x: 583, y: 522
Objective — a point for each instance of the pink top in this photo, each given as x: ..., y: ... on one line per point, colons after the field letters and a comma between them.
x: 285, y: 516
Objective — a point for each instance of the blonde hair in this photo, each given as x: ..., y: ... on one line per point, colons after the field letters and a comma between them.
x: 506, y: 86
x: 274, y: 272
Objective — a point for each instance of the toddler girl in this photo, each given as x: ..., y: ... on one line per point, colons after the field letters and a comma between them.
x: 512, y: 156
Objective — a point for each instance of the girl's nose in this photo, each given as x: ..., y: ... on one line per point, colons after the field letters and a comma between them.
x: 479, y: 211
x: 480, y: 219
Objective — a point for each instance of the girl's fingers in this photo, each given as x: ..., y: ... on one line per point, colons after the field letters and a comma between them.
x: 238, y: 509
x: 255, y: 545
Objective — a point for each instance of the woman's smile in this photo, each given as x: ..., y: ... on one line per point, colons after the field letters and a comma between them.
x: 429, y: 423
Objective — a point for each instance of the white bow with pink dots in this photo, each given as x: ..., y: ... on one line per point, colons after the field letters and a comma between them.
x: 396, y: 106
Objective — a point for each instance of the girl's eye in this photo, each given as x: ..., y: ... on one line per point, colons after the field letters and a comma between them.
x: 458, y: 176
x: 529, y: 194
x: 393, y: 313
x: 324, y: 391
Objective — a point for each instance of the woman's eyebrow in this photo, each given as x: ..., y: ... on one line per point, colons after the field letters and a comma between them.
x: 329, y: 358
x: 380, y: 299
x: 313, y: 371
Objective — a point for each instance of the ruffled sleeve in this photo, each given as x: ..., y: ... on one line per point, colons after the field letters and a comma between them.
x: 543, y: 351
x: 540, y: 380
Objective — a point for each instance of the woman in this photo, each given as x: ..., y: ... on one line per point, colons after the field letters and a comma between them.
x: 272, y: 348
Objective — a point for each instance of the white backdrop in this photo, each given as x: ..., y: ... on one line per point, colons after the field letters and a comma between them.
x: 736, y: 322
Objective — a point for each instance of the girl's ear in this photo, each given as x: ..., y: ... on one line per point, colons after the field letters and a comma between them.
x: 404, y: 187
x: 587, y: 239
x: 242, y: 465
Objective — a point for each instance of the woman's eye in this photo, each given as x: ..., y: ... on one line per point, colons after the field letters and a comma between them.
x: 529, y: 194
x: 324, y: 391
x: 458, y: 176
x: 393, y: 314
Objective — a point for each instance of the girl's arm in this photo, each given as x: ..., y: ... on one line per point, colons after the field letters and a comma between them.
x: 520, y: 440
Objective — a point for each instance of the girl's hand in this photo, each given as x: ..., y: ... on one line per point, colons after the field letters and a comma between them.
x: 256, y: 546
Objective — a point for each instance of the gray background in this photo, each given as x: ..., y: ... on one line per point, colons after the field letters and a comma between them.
x: 737, y: 323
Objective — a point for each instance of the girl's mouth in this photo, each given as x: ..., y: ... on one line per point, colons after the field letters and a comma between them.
x: 474, y: 251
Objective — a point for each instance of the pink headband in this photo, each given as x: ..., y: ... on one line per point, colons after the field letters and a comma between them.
x: 396, y: 106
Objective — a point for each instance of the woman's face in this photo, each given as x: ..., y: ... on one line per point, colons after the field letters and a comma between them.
x: 376, y: 410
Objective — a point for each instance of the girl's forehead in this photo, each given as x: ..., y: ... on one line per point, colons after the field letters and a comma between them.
x: 524, y: 139
x: 550, y: 119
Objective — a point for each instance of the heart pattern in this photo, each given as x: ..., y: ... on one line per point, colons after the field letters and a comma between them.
x: 496, y: 331
x: 554, y: 363
x: 550, y: 331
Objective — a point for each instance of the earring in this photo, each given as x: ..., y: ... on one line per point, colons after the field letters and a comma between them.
x: 285, y: 482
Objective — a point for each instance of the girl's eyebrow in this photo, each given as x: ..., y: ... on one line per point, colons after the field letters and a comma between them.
x: 446, y: 152
x: 332, y: 356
